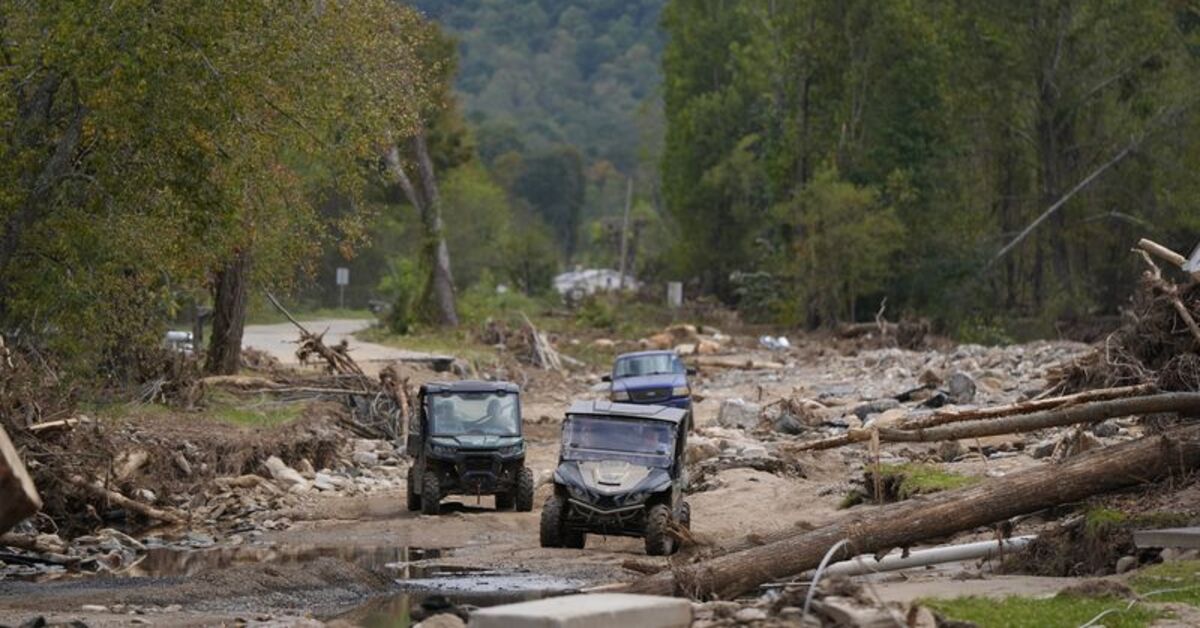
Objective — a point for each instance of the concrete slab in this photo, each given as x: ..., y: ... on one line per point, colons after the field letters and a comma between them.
x: 1170, y: 537
x: 599, y: 610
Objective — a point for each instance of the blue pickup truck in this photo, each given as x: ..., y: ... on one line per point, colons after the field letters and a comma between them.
x: 651, y: 377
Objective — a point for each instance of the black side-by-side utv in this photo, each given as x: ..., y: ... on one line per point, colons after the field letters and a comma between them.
x: 620, y: 472
x: 465, y: 439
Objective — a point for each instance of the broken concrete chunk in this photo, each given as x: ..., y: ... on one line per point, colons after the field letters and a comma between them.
x: 586, y: 610
x: 739, y: 413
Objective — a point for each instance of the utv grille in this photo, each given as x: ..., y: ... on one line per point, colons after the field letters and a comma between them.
x: 651, y: 394
x: 475, y: 464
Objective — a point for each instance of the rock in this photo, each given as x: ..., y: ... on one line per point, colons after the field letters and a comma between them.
x: 1105, y: 429
x: 739, y: 413
x: 875, y: 407
x: 747, y: 615
x: 305, y: 467
x: 1126, y: 563
x: 887, y: 418
x: 789, y: 423
x: 603, y: 343
x: 93, y: 608
x: 700, y: 448
x: 146, y: 495
x: 1042, y: 449
x: 753, y: 451
x: 960, y: 388
x: 930, y: 378
x: 722, y: 609
x: 284, y: 474
x: 365, y: 459
x: 443, y: 620
x: 952, y: 450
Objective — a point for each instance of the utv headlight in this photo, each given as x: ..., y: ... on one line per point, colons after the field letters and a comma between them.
x: 620, y: 395
x: 681, y: 391
x: 441, y: 450
x: 512, y: 450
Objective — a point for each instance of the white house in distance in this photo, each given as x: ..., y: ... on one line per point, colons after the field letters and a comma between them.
x: 579, y: 283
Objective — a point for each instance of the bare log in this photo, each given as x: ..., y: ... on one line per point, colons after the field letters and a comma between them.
x: 1162, y: 252
x: 1024, y: 407
x: 39, y: 543
x: 910, y: 522
x: 1082, y: 413
x: 1188, y: 403
x: 122, y: 501
x: 18, y: 496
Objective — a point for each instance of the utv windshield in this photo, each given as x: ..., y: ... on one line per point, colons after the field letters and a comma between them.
x: 648, y: 443
x: 455, y: 414
x: 657, y: 364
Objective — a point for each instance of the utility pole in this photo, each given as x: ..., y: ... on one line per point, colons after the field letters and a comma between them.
x: 625, y: 235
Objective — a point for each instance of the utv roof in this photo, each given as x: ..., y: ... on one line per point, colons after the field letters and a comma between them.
x: 628, y: 410
x: 470, y: 385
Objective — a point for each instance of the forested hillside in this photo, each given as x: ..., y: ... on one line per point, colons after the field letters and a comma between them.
x: 858, y: 150
x: 538, y: 73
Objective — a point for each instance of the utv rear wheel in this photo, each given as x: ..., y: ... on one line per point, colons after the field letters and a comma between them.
x: 524, y: 490
x: 551, y: 528
x: 658, y: 534
x: 504, y: 501
x: 431, y: 494
x: 414, y: 497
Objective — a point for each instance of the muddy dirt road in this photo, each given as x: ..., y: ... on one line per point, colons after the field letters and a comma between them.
x: 365, y: 559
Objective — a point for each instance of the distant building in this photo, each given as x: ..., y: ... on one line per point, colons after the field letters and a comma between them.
x: 579, y: 283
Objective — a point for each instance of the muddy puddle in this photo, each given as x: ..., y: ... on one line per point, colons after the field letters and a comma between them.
x: 166, y: 562
x: 423, y: 586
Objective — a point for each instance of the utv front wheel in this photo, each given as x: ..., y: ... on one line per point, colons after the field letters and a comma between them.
x: 414, y: 497
x: 524, y: 490
x: 658, y: 534
x: 431, y: 494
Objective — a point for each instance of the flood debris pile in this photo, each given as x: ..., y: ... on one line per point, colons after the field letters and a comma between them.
x: 1158, y: 342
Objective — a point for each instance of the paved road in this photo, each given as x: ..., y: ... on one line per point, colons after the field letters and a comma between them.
x: 279, y: 340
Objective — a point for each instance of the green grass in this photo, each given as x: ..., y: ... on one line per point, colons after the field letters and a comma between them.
x: 921, y: 479
x: 1098, y: 520
x: 1055, y: 612
x: 1184, y: 575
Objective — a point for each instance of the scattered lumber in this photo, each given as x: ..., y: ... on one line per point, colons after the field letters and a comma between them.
x: 913, y: 521
x: 734, y: 362
x: 117, y: 499
x: 1091, y: 412
x: 1023, y: 407
x: 18, y: 496
x: 61, y: 424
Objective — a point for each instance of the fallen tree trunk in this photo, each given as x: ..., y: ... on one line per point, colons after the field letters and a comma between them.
x: 1083, y: 413
x: 1024, y: 407
x: 913, y: 521
x: 18, y: 496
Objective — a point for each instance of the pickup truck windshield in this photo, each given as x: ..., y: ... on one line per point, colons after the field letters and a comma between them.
x: 455, y: 414
x: 648, y: 365
x: 587, y: 437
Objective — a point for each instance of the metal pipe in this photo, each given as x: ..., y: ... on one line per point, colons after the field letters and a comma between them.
x: 866, y: 563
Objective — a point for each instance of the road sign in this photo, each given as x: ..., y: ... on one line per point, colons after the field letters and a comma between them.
x: 343, y: 276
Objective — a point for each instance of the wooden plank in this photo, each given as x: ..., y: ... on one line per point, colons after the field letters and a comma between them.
x: 18, y: 497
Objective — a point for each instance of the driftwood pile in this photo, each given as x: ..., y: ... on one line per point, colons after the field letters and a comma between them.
x: 528, y: 344
x: 378, y: 407
x: 1159, y: 342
